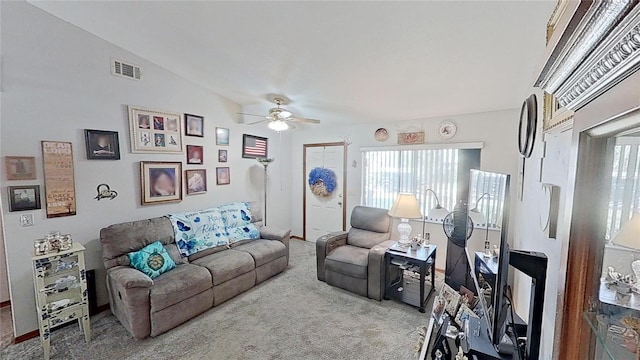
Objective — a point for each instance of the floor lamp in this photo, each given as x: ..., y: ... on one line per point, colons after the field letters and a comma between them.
x: 265, y: 162
x: 477, y: 217
x: 438, y: 212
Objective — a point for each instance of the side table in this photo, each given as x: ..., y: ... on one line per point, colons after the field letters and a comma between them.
x: 60, y: 285
x: 417, y: 261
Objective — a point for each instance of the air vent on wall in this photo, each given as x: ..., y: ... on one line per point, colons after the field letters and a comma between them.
x: 126, y: 70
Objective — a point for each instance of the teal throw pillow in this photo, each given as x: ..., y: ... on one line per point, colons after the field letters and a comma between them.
x: 152, y: 260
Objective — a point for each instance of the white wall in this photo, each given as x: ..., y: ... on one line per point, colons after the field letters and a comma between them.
x: 57, y: 82
x: 496, y: 129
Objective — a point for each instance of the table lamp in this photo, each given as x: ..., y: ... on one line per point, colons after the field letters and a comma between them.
x: 405, y: 207
x: 629, y: 237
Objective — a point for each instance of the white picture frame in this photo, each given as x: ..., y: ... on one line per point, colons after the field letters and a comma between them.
x: 155, y: 131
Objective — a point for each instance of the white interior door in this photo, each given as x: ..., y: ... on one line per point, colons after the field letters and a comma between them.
x: 324, y: 214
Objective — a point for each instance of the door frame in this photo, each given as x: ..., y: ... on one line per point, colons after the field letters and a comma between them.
x: 304, y: 184
x: 574, y: 340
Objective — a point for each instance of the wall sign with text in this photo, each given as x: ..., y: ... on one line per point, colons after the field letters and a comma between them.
x: 59, y: 181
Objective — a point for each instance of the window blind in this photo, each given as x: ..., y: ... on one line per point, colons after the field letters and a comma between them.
x: 624, y: 194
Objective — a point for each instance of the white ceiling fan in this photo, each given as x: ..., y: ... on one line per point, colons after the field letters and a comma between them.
x: 279, y: 118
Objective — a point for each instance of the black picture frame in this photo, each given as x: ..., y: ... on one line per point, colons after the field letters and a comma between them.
x: 193, y: 131
x: 252, y: 147
x: 96, y: 151
x: 22, y: 198
x: 223, y: 175
x: 223, y: 156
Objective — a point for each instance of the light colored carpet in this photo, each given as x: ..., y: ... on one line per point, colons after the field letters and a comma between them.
x: 6, y: 327
x: 291, y: 316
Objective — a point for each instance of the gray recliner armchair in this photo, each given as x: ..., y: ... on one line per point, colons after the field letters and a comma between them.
x: 354, y: 260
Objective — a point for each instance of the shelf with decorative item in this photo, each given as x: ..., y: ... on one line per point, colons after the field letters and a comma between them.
x: 617, y: 341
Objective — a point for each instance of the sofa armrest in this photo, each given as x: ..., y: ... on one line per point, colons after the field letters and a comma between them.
x: 129, y: 291
x: 376, y: 270
x: 129, y: 278
x: 273, y: 233
x: 324, y: 245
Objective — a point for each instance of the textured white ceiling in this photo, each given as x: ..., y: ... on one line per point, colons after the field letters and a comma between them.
x: 336, y: 61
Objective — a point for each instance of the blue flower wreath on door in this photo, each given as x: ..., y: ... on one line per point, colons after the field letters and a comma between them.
x: 322, y: 181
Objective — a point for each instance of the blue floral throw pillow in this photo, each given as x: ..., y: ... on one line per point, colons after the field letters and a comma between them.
x: 198, y: 230
x: 152, y: 260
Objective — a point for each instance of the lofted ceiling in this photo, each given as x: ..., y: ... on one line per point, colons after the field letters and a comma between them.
x: 336, y: 61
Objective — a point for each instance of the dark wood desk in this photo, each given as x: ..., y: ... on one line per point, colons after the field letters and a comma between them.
x: 418, y: 261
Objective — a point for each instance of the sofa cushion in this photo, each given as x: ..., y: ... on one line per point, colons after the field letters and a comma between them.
x: 198, y: 230
x: 348, y: 260
x: 226, y: 265
x: 366, y: 239
x: 152, y: 260
x: 263, y: 251
x: 181, y: 283
x: 121, y: 239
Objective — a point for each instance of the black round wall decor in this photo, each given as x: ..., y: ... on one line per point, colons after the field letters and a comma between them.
x: 528, y: 126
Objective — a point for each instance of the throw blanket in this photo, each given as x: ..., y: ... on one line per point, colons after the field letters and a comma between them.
x: 199, y: 230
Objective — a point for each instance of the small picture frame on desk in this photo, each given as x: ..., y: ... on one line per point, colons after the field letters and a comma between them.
x: 464, y: 313
x: 452, y: 299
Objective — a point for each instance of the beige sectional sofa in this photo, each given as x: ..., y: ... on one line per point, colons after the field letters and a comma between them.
x: 147, y: 307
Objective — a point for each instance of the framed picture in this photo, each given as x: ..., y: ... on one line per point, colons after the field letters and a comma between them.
x: 555, y: 118
x: 438, y: 308
x: 222, y: 156
x: 194, y: 125
x: 254, y: 147
x: 223, y: 176
x: 451, y: 297
x: 23, y: 198
x: 155, y: 131
x: 20, y: 167
x: 222, y: 136
x: 59, y: 183
x: 102, y: 145
x: 464, y: 313
x: 196, y: 181
x: 161, y: 182
x: 195, y: 154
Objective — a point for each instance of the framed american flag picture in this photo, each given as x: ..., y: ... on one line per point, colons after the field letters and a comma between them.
x: 254, y: 147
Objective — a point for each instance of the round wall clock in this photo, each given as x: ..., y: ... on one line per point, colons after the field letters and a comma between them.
x: 381, y: 134
x: 528, y: 126
x: 447, y: 129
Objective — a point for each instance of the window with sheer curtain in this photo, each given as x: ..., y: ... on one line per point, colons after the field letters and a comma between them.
x: 624, y: 194
x: 386, y: 173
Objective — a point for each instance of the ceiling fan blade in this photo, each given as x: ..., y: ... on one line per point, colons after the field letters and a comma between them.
x: 304, y: 120
x: 257, y: 122
x: 250, y: 114
x: 291, y: 126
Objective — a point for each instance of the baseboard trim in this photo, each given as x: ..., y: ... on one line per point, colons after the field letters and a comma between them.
x: 27, y: 336
x: 36, y: 333
x: 297, y: 237
x: 5, y: 303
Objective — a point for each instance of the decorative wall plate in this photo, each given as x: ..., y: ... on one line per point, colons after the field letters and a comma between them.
x: 447, y: 130
x: 381, y: 134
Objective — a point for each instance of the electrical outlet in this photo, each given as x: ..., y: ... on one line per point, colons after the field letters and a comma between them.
x: 427, y: 236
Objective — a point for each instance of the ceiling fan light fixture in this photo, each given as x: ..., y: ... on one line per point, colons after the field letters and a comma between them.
x: 278, y: 125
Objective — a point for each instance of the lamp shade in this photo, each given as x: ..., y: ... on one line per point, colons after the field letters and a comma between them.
x: 438, y: 213
x: 629, y: 235
x: 406, y: 207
